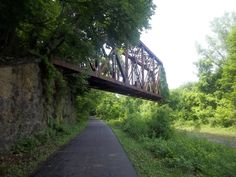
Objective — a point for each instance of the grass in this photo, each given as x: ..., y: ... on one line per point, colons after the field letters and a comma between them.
x: 181, y: 155
x: 226, y: 136
x: 143, y: 160
x: 27, y: 155
x: 229, y: 132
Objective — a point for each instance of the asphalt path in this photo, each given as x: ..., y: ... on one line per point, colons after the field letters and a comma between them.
x: 96, y: 152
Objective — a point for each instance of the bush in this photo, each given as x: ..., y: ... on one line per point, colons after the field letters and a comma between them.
x: 225, y: 114
x: 28, y: 144
x: 25, y: 145
x: 197, y: 156
x: 137, y: 117
x: 160, y: 121
x: 109, y: 107
x: 154, y: 123
x: 135, y: 126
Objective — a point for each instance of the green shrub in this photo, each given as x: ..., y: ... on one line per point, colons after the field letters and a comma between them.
x: 116, y: 122
x: 135, y: 126
x: 25, y: 145
x: 27, y: 154
x: 29, y: 144
x: 160, y: 121
x: 197, y: 156
x: 110, y: 107
x: 225, y: 114
x: 156, y: 124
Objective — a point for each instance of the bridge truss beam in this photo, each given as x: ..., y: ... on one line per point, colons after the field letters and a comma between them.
x: 134, y: 71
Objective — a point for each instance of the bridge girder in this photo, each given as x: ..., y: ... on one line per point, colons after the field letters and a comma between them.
x: 134, y: 72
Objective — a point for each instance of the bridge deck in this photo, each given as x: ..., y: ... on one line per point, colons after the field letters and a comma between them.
x: 108, y: 84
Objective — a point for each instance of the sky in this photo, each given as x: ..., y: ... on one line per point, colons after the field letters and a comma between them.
x: 176, y: 27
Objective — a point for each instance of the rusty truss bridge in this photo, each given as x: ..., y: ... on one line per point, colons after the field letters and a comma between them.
x: 135, y: 71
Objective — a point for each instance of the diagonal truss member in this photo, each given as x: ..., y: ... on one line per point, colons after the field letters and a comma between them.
x: 134, y: 71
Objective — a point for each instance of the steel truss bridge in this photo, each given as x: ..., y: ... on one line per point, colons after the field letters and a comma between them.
x: 135, y: 71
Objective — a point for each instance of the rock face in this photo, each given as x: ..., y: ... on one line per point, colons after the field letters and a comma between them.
x: 23, y: 109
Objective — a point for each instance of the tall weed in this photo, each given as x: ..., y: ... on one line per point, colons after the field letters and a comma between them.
x: 196, y: 156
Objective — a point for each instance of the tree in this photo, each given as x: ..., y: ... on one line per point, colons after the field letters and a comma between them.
x: 72, y: 29
x: 213, y: 57
x: 26, y: 25
x: 228, y: 80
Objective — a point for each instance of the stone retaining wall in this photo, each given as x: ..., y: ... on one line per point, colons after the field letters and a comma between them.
x: 23, y: 109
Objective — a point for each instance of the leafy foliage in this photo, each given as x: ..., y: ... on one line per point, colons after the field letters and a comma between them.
x: 86, y: 104
x: 26, y: 25
x: 159, y: 123
x: 215, y: 54
x: 164, y: 90
x: 30, y: 152
x: 180, y: 155
x: 74, y: 30
x: 197, y: 156
x: 212, y: 99
x: 139, y: 118
x: 109, y: 107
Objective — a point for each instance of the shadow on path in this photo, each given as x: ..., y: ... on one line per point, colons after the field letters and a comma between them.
x: 96, y: 152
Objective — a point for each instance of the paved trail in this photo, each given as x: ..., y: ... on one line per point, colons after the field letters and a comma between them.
x: 94, y: 153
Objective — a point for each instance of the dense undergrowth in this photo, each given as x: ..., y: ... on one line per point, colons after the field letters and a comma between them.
x: 179, y: 155
x: 26, y: 155
x: 211, y: 100
x: 156, y: 148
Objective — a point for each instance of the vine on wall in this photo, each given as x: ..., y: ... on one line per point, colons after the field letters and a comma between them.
x: 54, y: 89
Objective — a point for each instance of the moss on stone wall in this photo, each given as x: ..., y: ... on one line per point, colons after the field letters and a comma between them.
x: 33, y: 96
